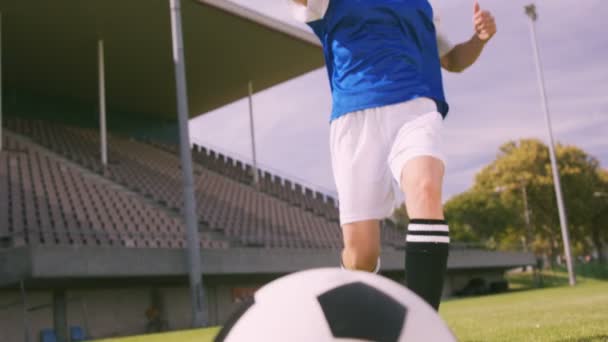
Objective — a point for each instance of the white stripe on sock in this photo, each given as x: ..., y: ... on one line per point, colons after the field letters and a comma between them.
x: 428, y: 238
x: 416, y: 227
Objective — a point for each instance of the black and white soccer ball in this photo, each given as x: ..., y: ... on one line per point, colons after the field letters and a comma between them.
x: 331, y: 304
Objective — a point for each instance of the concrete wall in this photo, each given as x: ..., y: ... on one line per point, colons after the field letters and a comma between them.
x: 114, y: 312
x: 11, y: 317
x: 230, y: 292
x: 111, y: 312
x: 122, y: 311
x: 101, y: 312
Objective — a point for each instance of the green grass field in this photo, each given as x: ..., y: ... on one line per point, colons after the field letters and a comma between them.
x: 558, y: 313
x: 554, y: 313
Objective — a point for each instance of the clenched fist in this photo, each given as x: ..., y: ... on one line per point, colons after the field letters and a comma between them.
x: 484, y: 24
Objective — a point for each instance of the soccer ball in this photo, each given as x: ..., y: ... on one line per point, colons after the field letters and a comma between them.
x: 331, y: 304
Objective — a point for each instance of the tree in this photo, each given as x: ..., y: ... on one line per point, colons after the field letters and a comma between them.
x: 477, y: 216
x: 400, y: 217
x: 599, y: 214
x: 521, y: 177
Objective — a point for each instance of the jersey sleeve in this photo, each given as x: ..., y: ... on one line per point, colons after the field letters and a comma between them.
x: 315, y: 10
x: 443, y: 43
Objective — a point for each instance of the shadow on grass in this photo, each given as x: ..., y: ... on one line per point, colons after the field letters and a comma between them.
x: 592, y: 270
x: 557, y: 276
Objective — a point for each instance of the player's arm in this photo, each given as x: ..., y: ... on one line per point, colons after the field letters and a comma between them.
x: 306, y: 11
x: 465, y: 54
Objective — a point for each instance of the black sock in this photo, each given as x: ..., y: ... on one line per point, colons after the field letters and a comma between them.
x: 426, y: 255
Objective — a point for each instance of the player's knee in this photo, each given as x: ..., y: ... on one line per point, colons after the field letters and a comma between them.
x: 425, y: 190
x: 362, y: 258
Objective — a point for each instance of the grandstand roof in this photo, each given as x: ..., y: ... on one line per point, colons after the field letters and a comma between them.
x: 50, y: 47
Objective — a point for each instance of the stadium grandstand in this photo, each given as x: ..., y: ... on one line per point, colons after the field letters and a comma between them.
x: 94, y: 247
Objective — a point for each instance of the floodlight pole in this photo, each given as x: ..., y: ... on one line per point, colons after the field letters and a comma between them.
x: 102, y: 102
x: 199, y: 317
x: 531, y: 13
x: 252, y: 130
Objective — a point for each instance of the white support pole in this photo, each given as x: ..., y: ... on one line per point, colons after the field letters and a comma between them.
x: 531, y: 12
x: 102, y: 103
x: 1, y: 98
x: 252, y: 135
x: 199, y: 314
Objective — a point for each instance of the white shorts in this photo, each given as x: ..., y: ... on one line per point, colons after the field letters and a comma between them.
x: 369, y: 149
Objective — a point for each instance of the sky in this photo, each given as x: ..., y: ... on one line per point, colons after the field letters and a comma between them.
x: 494, y: 101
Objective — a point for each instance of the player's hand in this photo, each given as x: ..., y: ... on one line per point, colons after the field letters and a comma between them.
x: 484, y: 24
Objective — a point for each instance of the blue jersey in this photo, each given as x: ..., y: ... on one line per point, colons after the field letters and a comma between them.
x: 378, y: 52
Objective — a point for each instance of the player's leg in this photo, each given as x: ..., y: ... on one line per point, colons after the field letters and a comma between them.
x: 364, y: 183
x: 421, y: 181
x: 417, y: 163
x: 427, y: 241
x: 361, y: 245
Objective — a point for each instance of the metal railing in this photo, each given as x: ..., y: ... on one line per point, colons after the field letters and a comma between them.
x: 126, y: 238
x: 264, y: 167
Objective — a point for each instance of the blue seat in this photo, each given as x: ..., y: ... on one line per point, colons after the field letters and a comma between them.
x: 48, y: 335
x: 77, y: 334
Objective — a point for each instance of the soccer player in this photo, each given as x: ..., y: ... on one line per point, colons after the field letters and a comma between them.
x: 384, y: 60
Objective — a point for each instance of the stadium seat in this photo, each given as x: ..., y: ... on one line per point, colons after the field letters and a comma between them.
x: 48, y: 335
x: 77, y: 334
x: 88, y: 211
